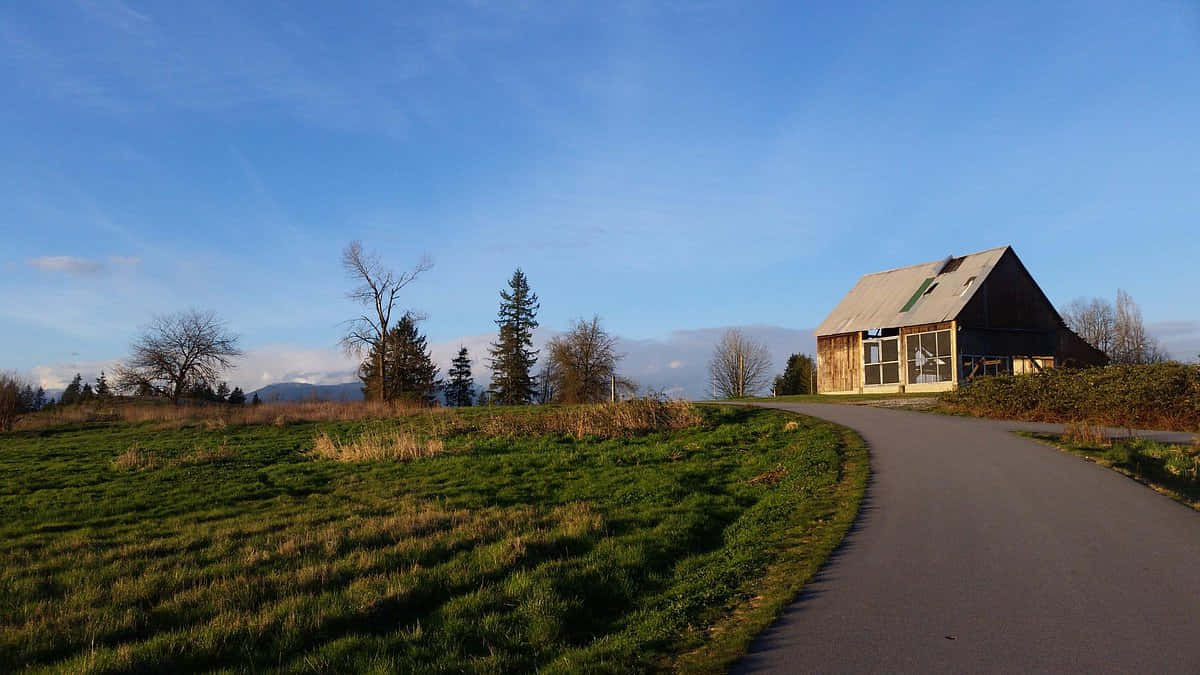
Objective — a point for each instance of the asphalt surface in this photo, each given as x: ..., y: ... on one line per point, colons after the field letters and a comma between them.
x: 977, y: 551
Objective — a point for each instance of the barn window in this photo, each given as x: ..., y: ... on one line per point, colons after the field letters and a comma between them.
x: 929, y: 358
x: 881, y: 361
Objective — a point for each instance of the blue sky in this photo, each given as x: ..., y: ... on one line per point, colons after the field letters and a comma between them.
x: 674, y: 167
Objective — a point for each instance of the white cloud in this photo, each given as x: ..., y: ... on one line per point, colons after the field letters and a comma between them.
x: 1181, y: 339
x: 76, y: 267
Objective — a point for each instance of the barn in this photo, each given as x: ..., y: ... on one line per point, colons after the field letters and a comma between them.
x: 934, y: 326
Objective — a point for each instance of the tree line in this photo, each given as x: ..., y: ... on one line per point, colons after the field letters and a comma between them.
x: 1114, y: 328
x: 580, y: 365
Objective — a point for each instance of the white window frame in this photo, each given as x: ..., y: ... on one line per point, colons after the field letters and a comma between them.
x: 912, y: 365
x: 878, y: 341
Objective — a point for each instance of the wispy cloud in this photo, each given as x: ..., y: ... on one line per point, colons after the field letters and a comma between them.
x: 66, y: 264
x: 82, y: 267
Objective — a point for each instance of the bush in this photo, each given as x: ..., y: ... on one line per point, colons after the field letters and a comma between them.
x: 12, y: 405
x: 1161, y: 396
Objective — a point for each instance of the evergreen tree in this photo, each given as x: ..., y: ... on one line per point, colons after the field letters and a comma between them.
x: 39, y: 399
x: 103, y: 391
x: 26, y: 399
x: 256, y: 400
x: 461, y: 387
x: 222, y: 392
x: 202, y: 391
x: 409, y: 373
x: 86, y: 395
x: 512, y: 355
x: 237, y: 397
x: 71, y: 394
x: 797, y: 377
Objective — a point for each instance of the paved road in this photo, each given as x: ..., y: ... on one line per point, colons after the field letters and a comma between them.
x: 980, y: 551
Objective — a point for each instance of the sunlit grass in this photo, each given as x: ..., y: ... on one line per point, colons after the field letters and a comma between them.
x: 508, y: 546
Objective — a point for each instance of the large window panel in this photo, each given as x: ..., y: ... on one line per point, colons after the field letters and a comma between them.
x: 929, y: 358
x: 881, y: 361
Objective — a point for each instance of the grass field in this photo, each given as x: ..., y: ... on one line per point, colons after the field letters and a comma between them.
x: 468, y: 543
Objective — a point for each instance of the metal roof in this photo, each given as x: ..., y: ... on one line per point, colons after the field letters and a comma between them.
x: 878, y: 300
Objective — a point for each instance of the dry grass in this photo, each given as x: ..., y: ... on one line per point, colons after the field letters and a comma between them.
x: 773, y: 477
x: 602, y: 420
x: 599, y: 420
x: 216, y: 416
x: 137, y: 458
x: 373, y: 446
x: 1086, y: 434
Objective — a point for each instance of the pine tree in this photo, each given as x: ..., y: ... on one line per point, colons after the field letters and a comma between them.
x: 512, y: 355
x: 103, y: 391
x: 461, y: 387
x: 39, y: 399
x: 71, y: 394
x: 236, y: 397
x: 86, y: 395
x: 797, y: 376
x: 410, y: 373
x: 26, y: 399
x: 222, y: 392
x: 256, y: 400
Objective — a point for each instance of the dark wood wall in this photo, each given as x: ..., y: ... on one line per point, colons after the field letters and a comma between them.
x: 1009, y: 299
x: 837, y: 362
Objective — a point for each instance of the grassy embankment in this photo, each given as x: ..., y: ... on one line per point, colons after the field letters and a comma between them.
x: 1173, y: 470
x: 561, y: 539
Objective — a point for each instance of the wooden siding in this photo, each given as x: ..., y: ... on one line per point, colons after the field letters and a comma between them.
x: 1009, y: 299
x: 838, y: 358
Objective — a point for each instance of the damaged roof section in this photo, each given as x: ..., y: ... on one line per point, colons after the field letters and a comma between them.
x: 927, y: 293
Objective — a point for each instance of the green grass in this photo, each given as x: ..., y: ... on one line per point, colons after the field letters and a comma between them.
x: 1171, y: 469
x: 237, y: 549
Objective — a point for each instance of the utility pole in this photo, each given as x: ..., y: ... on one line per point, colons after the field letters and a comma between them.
x: 741, y: 388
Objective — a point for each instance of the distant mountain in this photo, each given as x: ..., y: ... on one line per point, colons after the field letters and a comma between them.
x: 300, y: 391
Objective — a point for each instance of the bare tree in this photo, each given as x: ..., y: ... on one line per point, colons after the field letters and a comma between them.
x: 12, y: 404
x: 1131, y: 343
x: 582, y: 366
x: 177, y: 352
x: 378, y: 290
x: 1093, y: 320
x: 1117, y: 330
x: 739, y: 366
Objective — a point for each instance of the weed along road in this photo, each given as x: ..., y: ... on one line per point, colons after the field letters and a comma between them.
x: 980, y: 551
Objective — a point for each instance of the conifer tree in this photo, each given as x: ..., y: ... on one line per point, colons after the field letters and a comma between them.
x: 460, y: 390
x: 512, y: 355
x: 256, y: 400
x: 39, y: 399
x: 103, y: 391
x: 86, y: 394
x: 409, y: 371
x: 797, y: 376
x: 222, y: 392
x: 236, y: 397
x: 71, y: 394
x: 25, y: 399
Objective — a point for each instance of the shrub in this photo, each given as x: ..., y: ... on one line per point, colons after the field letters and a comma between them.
x: 1164, y: 395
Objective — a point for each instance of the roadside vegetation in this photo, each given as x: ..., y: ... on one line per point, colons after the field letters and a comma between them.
x: 1172, y: 469
x: 1145, y: 396
x: 622, y: 537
